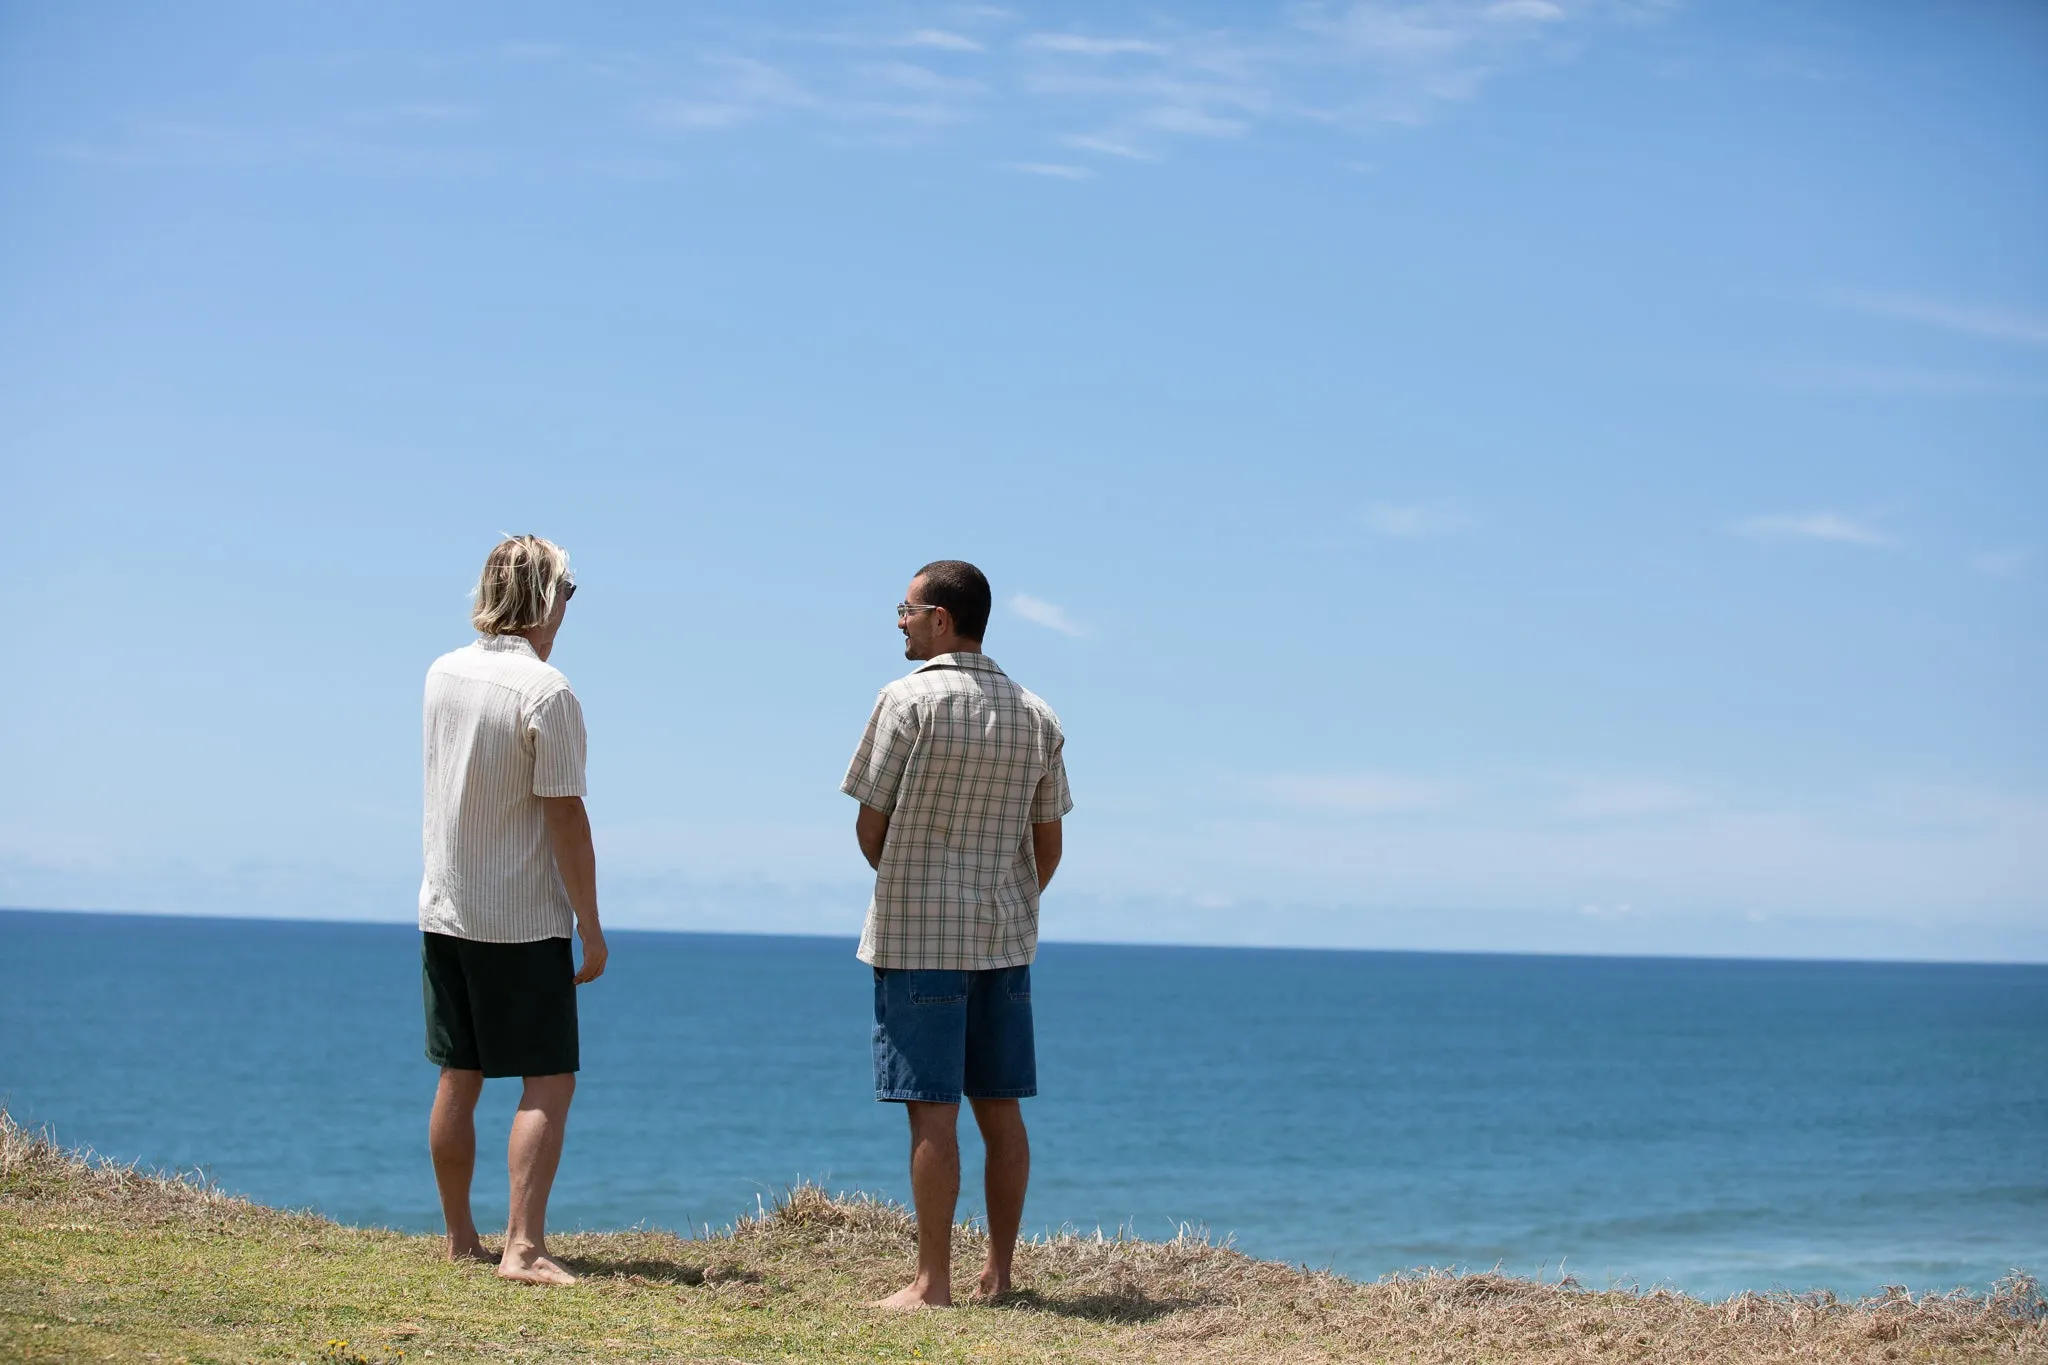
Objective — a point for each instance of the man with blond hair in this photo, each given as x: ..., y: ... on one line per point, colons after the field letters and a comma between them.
x: 509, y: 865
x: 962, y: 783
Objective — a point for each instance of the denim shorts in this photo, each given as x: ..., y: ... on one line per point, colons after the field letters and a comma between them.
x: 942, y: 1035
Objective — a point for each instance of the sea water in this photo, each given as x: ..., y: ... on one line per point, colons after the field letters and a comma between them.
x: 1715, y: 1125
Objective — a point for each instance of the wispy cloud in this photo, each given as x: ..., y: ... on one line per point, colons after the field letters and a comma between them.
x: 412, y: 112
x: 1105, y: 146
x: 1626, y: 798
x: 1055, y: 170
x: 2001, y: 563
x: 1533, y: 11
x: 738, y: 90
x: 1413, y: 521
x: 1915, y: 382
x: 1044, y: 613
x: 1158, y: 87
x: 377, y: 147
x: 1361, y: 793
x: 532, y: 52
x: 1992, y: 322
x: 1081, y: 45
x: 1179, y: 118
x: 921, y: 80
x: 942, y: 39
x: 1165, y: 83
x: 1823, y: 526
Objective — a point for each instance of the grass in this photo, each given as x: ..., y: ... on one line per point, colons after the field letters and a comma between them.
x: 103, y: 1262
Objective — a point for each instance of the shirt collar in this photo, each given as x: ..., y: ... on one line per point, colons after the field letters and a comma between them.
x: 973, y: 663
x: 507, y: 644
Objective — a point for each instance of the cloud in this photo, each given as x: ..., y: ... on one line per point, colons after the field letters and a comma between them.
x: 1082, y: 46
x: 1052, y: 169
x: 1917, y: 383
x: 2001, y: 563
x: 415, y: 112
x: 1626, y: 798
x: 1361, y: 793
x: 1326, y: 67
x: 1105, y: 146
x: 1992, y: 322
x: 341, y: 143
x: 941, y: 39
x: 1412, y: 521
x: 1823, y: 526
x: 921, y: 80
x: 982, y: 14
x: 683, y: 114
x: 1610, y: 913
x: 1043, y: 613
x: 741, y: 90
x: 532, y: 52
x: 1181, y: 119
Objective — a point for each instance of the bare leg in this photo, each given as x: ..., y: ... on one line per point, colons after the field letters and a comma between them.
x: 935, y: 1187
x: 1007, y: 1172
x: 532, y: 1155
x: 451, y: 1137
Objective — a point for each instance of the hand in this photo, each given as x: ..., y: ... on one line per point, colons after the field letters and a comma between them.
x: 594, y: 955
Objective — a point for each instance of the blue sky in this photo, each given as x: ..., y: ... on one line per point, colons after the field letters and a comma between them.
x: 1520, y: 475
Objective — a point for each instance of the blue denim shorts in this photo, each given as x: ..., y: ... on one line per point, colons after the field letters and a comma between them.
x: 942, y: 1035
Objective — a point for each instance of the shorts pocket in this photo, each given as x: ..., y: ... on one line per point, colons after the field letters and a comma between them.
x: 937, y: 988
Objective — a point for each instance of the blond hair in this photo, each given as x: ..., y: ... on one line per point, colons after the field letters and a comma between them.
x: 521, y: 580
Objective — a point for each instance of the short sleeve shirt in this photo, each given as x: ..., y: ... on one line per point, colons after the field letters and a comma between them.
x: 502, y: 730
x: 964, y: 762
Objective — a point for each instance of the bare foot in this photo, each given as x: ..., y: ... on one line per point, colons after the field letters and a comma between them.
x: 469, y: 1249
x: 919, y: 1293
x: 992, y: 1284
x: 537, y: 1269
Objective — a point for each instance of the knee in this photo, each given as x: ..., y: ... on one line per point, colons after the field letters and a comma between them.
x: 1000, y: 1119
x: 548, y: 1092
x: 458, y: 1090
x: 934, y: 1123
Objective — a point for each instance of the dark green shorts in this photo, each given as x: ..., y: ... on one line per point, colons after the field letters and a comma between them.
x: 505, y: 1009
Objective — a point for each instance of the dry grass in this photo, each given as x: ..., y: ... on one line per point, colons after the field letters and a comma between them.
x: 107, y: 1262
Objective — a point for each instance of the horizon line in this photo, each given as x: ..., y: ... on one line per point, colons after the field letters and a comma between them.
x: 1560, y: 955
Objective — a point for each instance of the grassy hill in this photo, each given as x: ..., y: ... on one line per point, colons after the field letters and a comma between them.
x: 100, y: 1262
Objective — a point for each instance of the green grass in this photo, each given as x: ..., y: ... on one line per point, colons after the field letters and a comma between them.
x: 100, y: 1262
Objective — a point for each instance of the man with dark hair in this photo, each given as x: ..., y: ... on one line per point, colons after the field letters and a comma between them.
x: 962, y: 785
x: 960, y: 588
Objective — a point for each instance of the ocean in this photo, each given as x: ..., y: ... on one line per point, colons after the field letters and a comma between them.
x: 1712, y: 1125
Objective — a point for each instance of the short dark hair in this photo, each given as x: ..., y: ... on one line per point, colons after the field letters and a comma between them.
x: 961, y: 589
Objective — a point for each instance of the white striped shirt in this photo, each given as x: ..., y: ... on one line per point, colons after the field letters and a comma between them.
x: 502, y: 729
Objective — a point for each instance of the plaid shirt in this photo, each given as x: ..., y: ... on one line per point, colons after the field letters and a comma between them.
x: 963, y: 762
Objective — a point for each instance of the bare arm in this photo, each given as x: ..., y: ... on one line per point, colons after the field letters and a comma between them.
x: 1046, y: 848
x: 569, y: 837
x: 871, y: 827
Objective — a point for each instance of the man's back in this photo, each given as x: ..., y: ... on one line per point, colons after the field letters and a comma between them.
x: 964, y: 761
x: 500, y: 729
x: 962, y: 784
x: 509, y: 872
